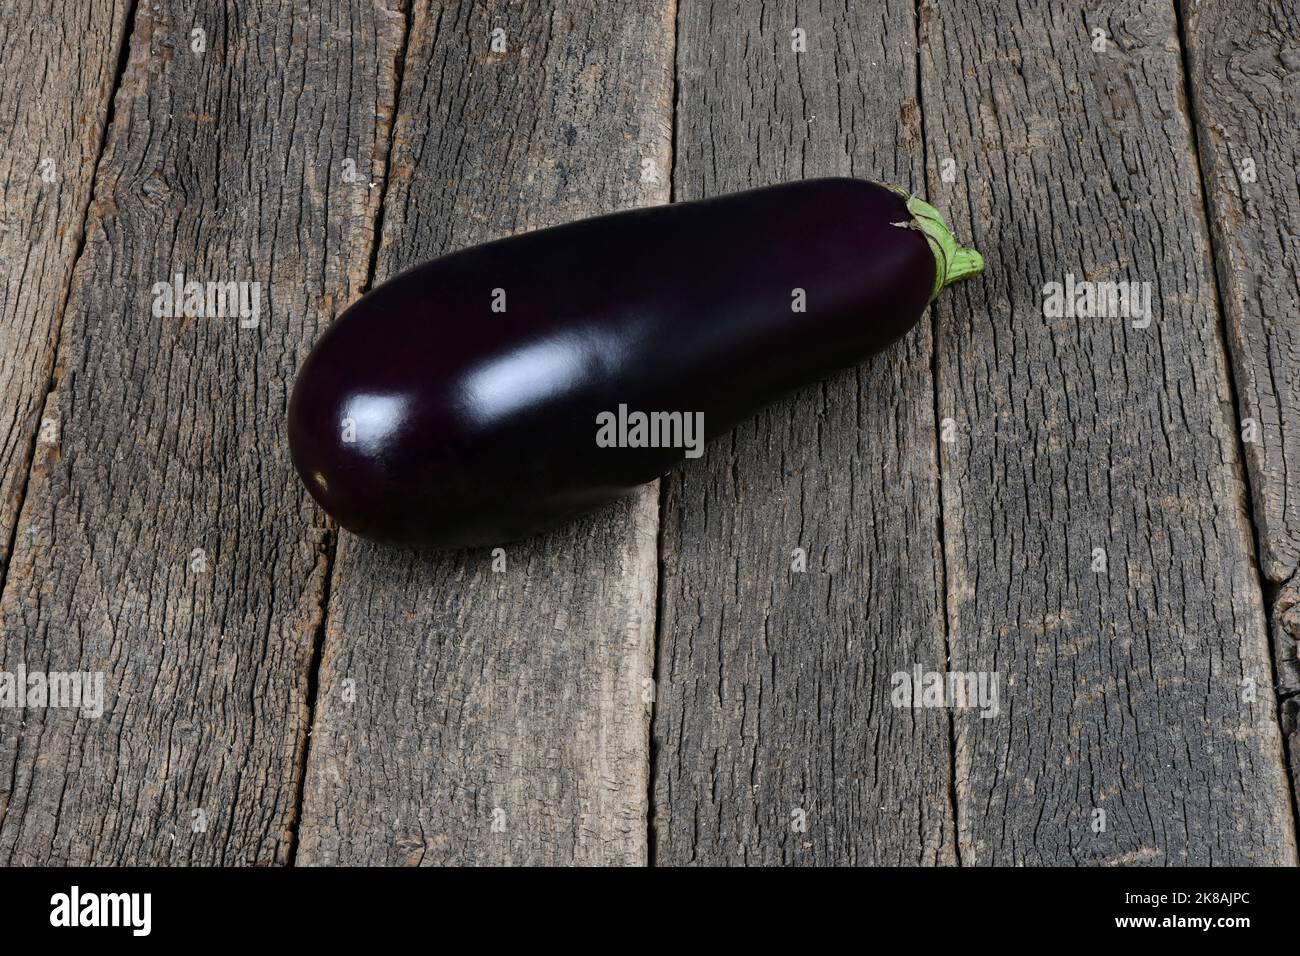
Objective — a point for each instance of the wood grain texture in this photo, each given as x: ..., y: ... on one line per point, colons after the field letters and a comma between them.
x: 775, y: 739
x: 225, y: 165
x: 1244, y: 72
x: 60, y: 62
x: 1125, y: 690
x: 1285, y: 621
x: 466, y: 714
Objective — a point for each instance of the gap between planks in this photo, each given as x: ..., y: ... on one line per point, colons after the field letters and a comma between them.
x: 332, y: 539
x: 56, y: 331
x: 656, y: 632
x: 954, y: 805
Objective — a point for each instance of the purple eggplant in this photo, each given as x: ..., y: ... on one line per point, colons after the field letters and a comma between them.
x: 495, y: 392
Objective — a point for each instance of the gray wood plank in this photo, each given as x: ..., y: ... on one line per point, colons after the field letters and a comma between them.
x: 1138, y: 690
x: 775, y: 738
x: 60, y: 62
x: 165, y: 541
x: 1243, y: 65
x: 466, y: 714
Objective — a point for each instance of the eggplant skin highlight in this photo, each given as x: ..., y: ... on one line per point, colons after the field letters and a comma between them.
x: 458, y: 404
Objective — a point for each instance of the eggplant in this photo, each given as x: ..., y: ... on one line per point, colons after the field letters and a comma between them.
x: 463, y: 402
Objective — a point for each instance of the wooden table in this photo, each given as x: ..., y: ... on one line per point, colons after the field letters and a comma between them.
x: 1101, y: 515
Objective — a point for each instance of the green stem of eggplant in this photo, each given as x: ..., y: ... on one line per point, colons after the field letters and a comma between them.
x: 952, y: 261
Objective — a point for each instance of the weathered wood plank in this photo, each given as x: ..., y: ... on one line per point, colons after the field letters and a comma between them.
x: 1244, y: 75
x: 165, y: 541
x: 1244, y: 72
x: 466, y: 714
x: 775, y: 738
x: 60, y: 62
x: 1137, y: 689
